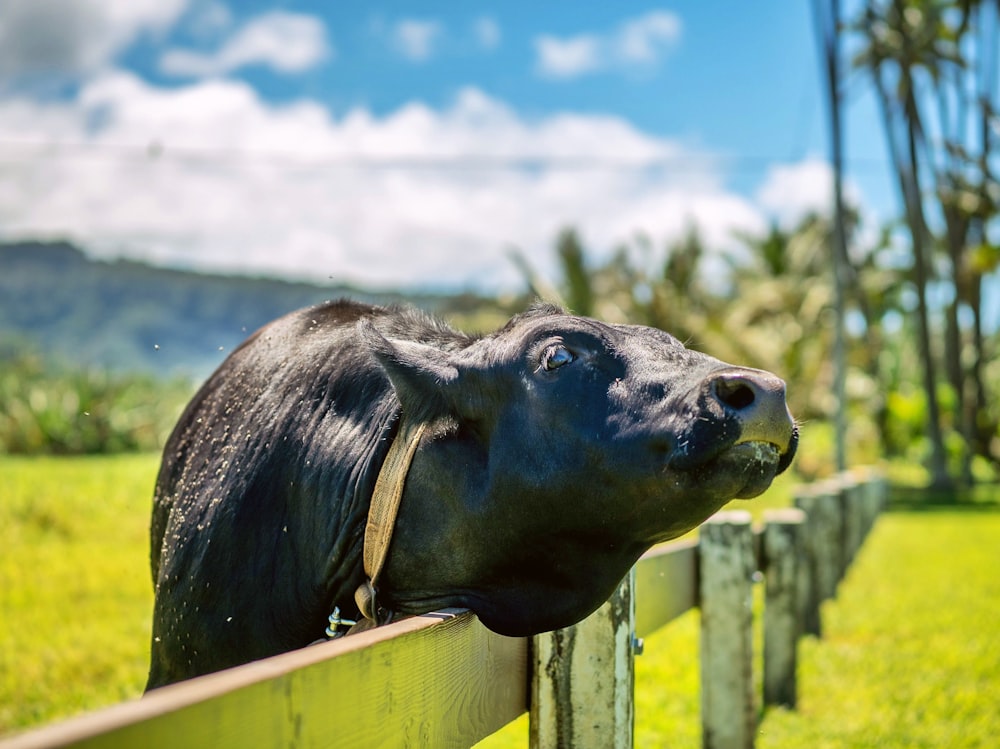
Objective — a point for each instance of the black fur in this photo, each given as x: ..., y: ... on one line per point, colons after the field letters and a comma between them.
x: 534, y: 490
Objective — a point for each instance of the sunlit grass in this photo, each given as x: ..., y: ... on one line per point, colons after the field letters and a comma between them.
x: 75, y: 591
x: 909, y: 656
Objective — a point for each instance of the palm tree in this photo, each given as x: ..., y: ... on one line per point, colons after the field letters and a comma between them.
x: 934, y: 65
x: 828, y: 31
x: 780, y: 305
x: 903, y: 38
x: 579, y: 292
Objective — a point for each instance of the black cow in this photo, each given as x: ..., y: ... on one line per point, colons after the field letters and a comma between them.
x: 556, y: 450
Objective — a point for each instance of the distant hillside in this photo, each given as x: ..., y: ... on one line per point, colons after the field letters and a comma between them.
x: 127, y: 315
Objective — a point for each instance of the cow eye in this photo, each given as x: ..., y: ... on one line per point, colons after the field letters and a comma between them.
x: 555, y: 357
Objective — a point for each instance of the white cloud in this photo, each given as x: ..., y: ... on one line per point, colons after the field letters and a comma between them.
x: 637, y: 42
x: 568, y: 58
x: 286, y: 42
x: 487, y: 33
x: 210, y: 18
x: 792, y: 191
x: 75, y: 37
x: 415, y: 39
x: 419, y: 196
x: 647, y: 38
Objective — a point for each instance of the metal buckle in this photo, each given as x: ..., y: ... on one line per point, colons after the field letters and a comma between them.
x: 336, y: 621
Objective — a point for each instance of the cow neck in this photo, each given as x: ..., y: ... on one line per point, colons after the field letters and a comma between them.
x: 382, y: 513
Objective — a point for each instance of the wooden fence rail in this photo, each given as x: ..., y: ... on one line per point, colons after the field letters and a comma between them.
x: 444, y: 680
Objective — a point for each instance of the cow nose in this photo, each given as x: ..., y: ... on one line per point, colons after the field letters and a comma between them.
x: 757, y: 400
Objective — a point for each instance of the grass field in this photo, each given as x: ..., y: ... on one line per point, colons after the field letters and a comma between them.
x: 910, y: 655
x: 75, y: 590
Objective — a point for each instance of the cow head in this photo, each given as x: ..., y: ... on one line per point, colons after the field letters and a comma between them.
x: 560, y: 449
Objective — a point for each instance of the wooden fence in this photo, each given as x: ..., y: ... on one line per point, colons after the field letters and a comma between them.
x: 444, y: 680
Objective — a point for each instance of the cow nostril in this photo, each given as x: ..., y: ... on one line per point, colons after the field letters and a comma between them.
x: 735, y: 393
x: 756, y: 401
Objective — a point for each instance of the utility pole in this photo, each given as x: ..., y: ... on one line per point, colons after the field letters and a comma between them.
x: 827, y: 22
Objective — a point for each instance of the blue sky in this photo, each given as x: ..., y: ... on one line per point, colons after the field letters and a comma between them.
x: 742, y: 76
x: 411, y: 143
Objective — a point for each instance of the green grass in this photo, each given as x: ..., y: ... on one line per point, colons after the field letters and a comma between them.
x: 909, y: 657
x: 75, y: 590
x: 911, y: 654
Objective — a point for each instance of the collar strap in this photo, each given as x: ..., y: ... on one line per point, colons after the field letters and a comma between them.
x: 382, y: 515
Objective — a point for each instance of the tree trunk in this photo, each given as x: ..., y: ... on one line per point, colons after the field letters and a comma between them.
x: 910, y: 183
x: 907, y: 172
x: 828, y: 30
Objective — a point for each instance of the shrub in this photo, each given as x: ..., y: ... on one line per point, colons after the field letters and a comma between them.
x: 57, y: 409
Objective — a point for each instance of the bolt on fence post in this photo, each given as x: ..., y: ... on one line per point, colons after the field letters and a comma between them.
x: 727, y: 565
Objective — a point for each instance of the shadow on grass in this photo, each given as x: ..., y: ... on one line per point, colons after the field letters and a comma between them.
x: 979, y: 498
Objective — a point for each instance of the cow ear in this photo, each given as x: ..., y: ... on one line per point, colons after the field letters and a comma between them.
x: 430, y: 383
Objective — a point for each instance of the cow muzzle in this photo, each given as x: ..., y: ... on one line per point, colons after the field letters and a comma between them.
x: 755, y: 399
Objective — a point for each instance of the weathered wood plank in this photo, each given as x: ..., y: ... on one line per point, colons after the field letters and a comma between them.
x: 583, y: 679
x: 809, y: 585
x: 828, y: 534
x: 850, y: 497
x: 666, y: 584
x: 783, y: 534
x: 438, y: 680
x: 728, y: 712
x: 874, y: 492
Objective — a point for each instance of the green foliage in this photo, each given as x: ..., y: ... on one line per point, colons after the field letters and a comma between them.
x: 47, y: 408
x: 984, y: 258
x: 924, y: 60
x: 579, y: 293
x: 908, y: 415
x: 129, y: 316
x: 124, y: 342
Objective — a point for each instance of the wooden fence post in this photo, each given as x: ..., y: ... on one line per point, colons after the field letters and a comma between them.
x: 850, y: 503
x: 808, y: 587
x: 828, y: 534
x: 783, y: 556
x: 583, y: 679
x: 728, y: 713
x: 873, y: 497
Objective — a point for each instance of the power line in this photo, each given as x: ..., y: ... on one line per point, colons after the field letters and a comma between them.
x: 156, y: 152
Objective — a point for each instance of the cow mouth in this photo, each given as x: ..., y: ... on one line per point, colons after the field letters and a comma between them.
x: 743, y: 469
x: 758, y: 463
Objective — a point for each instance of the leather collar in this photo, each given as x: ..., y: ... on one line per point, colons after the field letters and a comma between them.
x: 382, y: 516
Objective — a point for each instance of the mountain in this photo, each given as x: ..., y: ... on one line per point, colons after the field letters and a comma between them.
x: 126, y: 315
